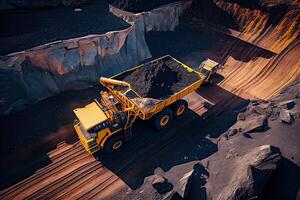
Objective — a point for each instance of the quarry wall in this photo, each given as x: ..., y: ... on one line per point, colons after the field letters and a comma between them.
x: 164, y: 18
x: 273, y: 27
x: 261, y: 54
x: 43, y: 71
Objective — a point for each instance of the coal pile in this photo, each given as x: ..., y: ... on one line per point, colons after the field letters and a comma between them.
x: 159, y: 79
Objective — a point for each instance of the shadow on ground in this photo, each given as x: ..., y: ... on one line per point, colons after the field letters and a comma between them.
x: 186, y: 140
x: 287, y: 172
x: 193, y: 45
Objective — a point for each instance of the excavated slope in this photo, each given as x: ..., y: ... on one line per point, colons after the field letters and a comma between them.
x: 271, y: 30
x: 263, y: 77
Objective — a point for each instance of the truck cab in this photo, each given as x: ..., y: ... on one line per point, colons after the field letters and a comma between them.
x: 99, y: 120
x: 208, y: 68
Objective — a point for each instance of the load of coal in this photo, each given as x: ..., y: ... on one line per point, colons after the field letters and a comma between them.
x: 159, y: 79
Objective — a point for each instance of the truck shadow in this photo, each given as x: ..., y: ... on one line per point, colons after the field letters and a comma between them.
x: 190, y: 138
x: 184, y: 141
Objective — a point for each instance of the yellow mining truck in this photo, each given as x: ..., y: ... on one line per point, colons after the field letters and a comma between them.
x: 153, y: 90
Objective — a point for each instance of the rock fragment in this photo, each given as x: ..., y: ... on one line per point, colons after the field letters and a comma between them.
x: 253, y: 123
x: 285, y: 116
x: 193, y: 183
x: 251, y: 174
x: 288, y: 104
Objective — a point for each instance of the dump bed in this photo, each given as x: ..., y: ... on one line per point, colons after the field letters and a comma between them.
x: 159, y: 83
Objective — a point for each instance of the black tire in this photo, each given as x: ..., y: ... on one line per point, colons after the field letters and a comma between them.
x: 159, y: 118
x: 206, y: 105
x: 114, y: 143
x: 178, y: 106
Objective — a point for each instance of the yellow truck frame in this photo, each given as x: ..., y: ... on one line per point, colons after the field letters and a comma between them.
x: 104, y: 110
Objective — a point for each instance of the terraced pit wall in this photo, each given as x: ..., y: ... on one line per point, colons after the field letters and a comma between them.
x: 275, y: 28
x: 35, y: 74
x: 265, y: 57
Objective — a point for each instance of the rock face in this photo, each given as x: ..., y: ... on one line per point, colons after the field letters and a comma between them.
x: 272, y: 25
x: 164, y: 18
x: 251, y: 173
x: 47, y: 70
x: 271, y: 28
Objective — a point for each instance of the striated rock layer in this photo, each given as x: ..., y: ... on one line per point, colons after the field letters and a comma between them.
x: 272, y: 26
x: 264, y: 57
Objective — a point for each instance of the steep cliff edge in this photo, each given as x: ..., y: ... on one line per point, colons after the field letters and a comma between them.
x: 47, y: 70
x: 43, y: 71
x: 271, y: 27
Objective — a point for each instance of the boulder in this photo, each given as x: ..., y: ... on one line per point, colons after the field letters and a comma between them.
x: 272, y: 112
x: 241, y: 117
x: 195, y: 183
x: 259, y: 109
x: 285, y: 116
x: 251, y: 173
x: 288, y: 104
x: 252, y: 123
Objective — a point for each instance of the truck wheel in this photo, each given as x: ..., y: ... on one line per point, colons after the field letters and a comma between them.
x: 179, y: 108
x: 113, y: 144
x: 163, y: 119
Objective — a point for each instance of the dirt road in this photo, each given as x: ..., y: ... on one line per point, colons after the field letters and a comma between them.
x: 72, y: 173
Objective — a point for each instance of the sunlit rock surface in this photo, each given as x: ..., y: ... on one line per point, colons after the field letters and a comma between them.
x: 164, y: 18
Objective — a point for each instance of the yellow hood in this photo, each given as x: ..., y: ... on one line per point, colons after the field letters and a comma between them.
x: 90, y: 116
